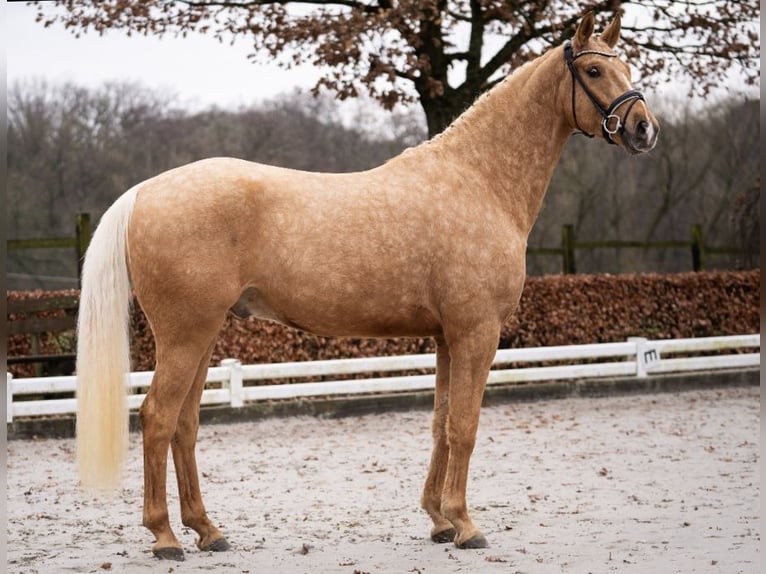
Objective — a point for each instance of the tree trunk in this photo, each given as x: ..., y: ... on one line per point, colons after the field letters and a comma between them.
x: 443, y: 109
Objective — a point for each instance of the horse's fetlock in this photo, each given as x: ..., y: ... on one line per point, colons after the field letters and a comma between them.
x: 196, y: 522
x: 156, y: 520
x: 453, y: 510
x: 431, y: 504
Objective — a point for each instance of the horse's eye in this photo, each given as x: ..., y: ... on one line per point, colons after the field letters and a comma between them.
x: 594, y: 72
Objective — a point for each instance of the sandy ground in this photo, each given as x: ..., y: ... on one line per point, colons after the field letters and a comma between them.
x: 654, y: 483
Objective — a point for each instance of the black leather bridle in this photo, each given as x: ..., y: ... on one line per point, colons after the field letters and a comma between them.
x: 611, y: 123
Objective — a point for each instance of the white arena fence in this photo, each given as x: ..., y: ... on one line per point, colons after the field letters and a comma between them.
x: 636, y: 357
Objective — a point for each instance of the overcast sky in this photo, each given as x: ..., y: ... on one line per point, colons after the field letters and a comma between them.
x: 199, y: 69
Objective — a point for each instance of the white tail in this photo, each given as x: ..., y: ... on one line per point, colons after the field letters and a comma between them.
x: 103, y: 350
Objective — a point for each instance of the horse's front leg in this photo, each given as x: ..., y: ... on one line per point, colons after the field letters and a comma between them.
x: 471, y: 354
x: 193, y: 512
x: 431, y: 501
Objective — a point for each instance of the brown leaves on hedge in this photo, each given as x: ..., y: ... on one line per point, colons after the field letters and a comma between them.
x: 554, y: 310
x: 579, y: 309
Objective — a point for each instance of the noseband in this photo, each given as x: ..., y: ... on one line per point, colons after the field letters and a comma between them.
x: 611, y: 123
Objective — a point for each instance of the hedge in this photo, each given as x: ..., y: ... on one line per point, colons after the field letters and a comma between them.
x: 554, y: 310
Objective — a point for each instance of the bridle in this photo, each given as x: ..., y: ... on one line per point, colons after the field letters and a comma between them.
x: 611, y: 123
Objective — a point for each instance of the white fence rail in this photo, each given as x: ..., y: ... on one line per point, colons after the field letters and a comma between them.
x: 636, y: 357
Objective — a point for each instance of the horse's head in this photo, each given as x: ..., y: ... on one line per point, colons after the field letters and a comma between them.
x: 602, y: 99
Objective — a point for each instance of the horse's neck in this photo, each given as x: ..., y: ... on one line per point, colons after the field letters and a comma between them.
x: 510, y: 140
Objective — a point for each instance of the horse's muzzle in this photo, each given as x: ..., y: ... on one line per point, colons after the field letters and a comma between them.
x: 641, y: 136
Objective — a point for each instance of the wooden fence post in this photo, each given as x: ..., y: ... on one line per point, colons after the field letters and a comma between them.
x: 567, y: 249
x: 697, y: 248
x: 82, y: 224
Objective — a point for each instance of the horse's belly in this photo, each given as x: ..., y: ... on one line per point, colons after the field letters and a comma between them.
x: 339, y: 316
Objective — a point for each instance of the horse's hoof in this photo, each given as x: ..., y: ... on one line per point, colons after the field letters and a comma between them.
x: 220, y: 545
x: 444, y: 536
x: 169, y: 553
x: 475, y: 541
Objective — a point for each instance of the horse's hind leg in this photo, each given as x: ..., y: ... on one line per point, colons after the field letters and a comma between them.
x: 431, y: 501
x: 178, y: 362
x: 193, y: 512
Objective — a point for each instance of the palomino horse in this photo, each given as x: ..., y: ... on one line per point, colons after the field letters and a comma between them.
x: 432, y: 243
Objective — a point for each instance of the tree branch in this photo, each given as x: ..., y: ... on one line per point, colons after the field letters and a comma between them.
x: 475, y: 43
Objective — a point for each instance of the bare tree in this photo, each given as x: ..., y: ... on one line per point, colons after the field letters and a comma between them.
x: 72, y: 148
x: 746, y: 223
x: 701, y: 173
x: 76, y: 149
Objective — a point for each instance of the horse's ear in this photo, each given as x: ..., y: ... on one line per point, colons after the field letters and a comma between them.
x: 612, y: 32
x: 584, y: 31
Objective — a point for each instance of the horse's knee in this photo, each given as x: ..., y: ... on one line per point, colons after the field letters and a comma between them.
x: 461, y: 437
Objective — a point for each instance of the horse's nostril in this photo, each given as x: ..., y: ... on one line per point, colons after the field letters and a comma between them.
x: 642, y: 129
